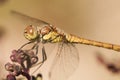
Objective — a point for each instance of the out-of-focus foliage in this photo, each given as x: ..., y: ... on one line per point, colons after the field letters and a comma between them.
x: 2, y: 2
x: 111, y: 66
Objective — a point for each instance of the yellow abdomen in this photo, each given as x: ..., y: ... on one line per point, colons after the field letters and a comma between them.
x: 74, y: 39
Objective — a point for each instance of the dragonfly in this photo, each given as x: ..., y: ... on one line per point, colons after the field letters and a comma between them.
x: 66, y: 58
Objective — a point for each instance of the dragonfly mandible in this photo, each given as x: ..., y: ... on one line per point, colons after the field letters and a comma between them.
x: 67, y: 56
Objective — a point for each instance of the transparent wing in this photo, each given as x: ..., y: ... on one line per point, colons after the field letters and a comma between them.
x: 49, y: 48
x: 27, y: 20
x: 65, y: 62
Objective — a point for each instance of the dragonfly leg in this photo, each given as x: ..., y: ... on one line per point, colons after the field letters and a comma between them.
x: 37, y: 49
x: 44, y: 54
x: 25, y: 45
x: 35, y: 45
x: 44, y: 58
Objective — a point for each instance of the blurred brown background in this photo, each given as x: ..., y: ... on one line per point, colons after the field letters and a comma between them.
x: 92, y: 19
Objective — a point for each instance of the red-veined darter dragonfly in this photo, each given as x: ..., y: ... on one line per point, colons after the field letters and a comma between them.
x: 67, y: 57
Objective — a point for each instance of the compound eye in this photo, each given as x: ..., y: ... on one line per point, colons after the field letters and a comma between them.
x: 45, y: 30
x: 29, y: 30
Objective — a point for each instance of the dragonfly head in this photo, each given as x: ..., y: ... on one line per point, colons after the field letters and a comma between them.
x: 31, y: 32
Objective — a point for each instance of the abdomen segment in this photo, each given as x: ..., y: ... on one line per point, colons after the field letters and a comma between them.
x: 74, y: 39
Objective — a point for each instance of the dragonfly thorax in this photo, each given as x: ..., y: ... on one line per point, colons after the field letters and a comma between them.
x: 50, y: 34
x: 45, y: 30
